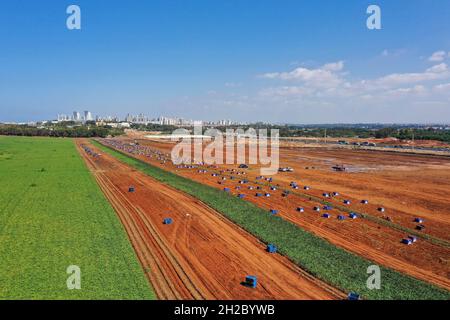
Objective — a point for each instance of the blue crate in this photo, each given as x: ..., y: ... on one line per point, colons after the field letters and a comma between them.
x: 271, y: 248
x: 353, y: 296
x: 251, y: 281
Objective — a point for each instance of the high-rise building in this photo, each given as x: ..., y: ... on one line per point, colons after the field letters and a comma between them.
x: 76, y: 116
x: 129, y: 118
x: 141, y: 118
x: 88, y: 116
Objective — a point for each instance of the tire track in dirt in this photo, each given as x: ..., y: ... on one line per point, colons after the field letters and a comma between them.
x: 169, y: 279
x: 154, y: 259
x: 201, y: 255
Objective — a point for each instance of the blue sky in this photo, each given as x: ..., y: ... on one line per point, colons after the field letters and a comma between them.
x: 283, y: 61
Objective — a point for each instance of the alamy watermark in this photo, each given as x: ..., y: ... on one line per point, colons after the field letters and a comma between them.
x: 374, y: 20
x: 374, y: 280
x: 73, y: 21
x: 74, y: 280
x: 214, y: 147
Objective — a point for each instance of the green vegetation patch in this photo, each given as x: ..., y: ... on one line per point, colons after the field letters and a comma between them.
x: 68, y: 129
x: 339, y: 268
x: 53, y: 215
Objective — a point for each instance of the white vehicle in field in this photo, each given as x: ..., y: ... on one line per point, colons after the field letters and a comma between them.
x: 286, y: 169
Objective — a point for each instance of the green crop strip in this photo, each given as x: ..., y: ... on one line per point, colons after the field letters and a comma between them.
x: 323, y: 260
x: 53, y: 215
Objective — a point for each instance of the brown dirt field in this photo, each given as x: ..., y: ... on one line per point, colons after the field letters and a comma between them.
x: 407, y: 186
x: 385, y: 141
x: 201, y: 255
x: 416, y: 142
x: 377, y: 242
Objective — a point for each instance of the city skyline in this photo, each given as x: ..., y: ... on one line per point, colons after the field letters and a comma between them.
x: 140, y: 118
x: 235, y: 60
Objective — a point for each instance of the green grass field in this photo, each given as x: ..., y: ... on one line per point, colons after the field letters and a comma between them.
x: 333, y: 265
x: 52, y: 215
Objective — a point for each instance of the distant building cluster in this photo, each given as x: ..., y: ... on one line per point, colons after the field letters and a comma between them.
x: 76, y: 116
x: 140, y: 119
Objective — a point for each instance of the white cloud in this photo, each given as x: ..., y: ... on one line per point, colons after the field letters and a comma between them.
x: 444, y: 87
x: 437, y: 56
x: 393, y: 53
x: 287, y: 91
x: 325, y: 76
x: 401, y: 92
x: 233, y: 84
x: 330, y: 81
x: 334, y: 66
x: 436, y: 72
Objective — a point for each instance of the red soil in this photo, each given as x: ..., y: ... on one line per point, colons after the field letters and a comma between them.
x: 380, y: 243
x: 201, y: 255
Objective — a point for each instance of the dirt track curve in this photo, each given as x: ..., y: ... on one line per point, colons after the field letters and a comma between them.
x: 201, y: 255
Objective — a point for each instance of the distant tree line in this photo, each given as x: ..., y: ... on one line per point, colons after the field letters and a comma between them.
x: 344, y: 131
x: 365, y: 133
x: 329, y: 132
x: 59, y: 131
x: 424, y: 134
x: 154, y: 127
